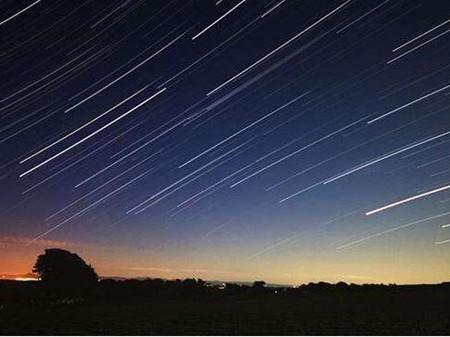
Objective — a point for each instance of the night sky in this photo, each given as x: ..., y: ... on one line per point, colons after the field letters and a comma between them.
x: 290, y: 141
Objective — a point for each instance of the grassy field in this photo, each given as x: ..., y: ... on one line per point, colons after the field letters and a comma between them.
x: 411, y: 311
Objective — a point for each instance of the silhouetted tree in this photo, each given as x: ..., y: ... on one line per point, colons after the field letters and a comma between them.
x: 63, y: 271
x: 189, y: 283
x: 341, y: 285
x: 233, y: 288
x: 259, y: 285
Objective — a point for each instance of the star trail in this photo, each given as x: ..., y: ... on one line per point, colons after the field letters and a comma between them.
x: 284, y: 140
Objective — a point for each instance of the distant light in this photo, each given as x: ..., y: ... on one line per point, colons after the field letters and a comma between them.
x: 25, y: 279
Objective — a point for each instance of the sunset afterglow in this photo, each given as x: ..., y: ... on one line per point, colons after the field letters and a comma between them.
x: 284, y: 141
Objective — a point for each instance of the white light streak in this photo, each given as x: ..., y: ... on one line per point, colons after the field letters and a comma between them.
x: 216, y: 21
x: 83, y: 126
x: 400, y: 202
x: 442, y: 242
x: 182, y: 179
x: 243, y: 129
x: 418, y: 37
x: 409, y: 224
x: 358, y: 168
x: 417, y: 47
x: 278, y: 48
x: 127, y: 73
x: 88, y: 207
x: 97, y: 188
x: 90, y: 136
x: 408, y: 104
x: 361, y: 17
x: 19, y: 12
x: 433, y: 161
x: 296, y: 152
x: 273, y: 8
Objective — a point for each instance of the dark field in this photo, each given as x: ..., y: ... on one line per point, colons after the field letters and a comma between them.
x: 142, y: 308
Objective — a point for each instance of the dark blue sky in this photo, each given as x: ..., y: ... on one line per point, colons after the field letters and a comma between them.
x: 228, y: 139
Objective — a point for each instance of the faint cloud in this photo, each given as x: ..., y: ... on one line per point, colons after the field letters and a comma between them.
x: 17, y: 240
x: 181, y: 270
x: 357, y: 277
x: 157, y: 269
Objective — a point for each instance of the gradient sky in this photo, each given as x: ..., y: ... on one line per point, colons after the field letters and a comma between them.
x: 231, y: 140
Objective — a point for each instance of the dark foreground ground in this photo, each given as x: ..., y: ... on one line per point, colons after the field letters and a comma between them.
x: 372, y: 310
